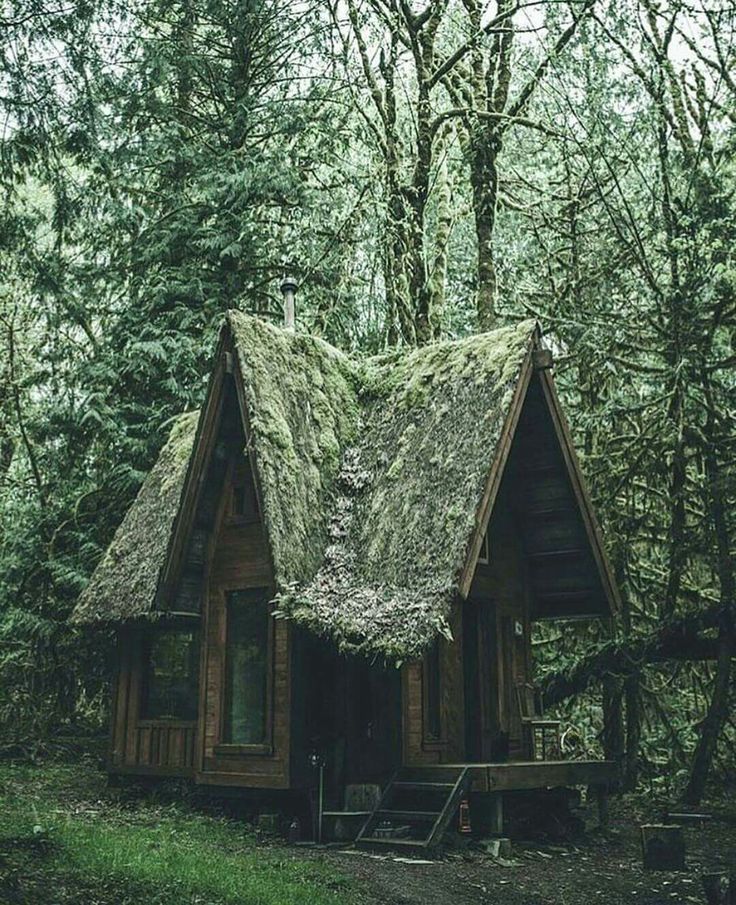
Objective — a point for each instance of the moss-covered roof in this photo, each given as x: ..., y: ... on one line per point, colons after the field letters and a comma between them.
x: 371, y: 472
x: 408, y: 492
x: 126, y: 579
x: 302, y: 399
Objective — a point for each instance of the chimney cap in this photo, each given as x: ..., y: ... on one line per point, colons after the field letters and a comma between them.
x: 289, y: 284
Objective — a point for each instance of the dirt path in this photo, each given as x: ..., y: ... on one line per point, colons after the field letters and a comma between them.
x: 600, y: 869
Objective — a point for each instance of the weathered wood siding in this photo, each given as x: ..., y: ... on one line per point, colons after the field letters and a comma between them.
x: 240, y: 560
x: 500, y: 593
x: 223, y: 552
x: 450, y: 746
x: 498, y: 611
x: 156, y: 747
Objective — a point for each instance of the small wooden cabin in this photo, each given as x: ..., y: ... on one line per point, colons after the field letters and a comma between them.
x: 344, y: 557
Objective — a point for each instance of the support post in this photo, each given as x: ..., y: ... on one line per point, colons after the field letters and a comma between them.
x: 495, y: 814
x: 601, y: 797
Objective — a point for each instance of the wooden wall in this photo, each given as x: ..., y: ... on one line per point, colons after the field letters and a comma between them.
x: 240, y: 561
x: 480, y: 668
x: 500, y: 595
x: 418, y: 748
x: 156, y: 747
x: 225, y: 552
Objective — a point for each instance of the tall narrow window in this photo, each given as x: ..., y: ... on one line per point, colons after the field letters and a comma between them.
x: 248, y: 668
x: 170, y: 674
x: 432, y: 693
x: 243, y: 501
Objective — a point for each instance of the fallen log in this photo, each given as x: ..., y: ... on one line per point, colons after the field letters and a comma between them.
x: 677, y: 639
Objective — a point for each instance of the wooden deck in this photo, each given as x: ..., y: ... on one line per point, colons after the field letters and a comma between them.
x: 516, y: 775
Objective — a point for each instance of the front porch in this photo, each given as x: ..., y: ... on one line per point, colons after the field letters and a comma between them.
x: 518, y: 775
x: 421, y: 803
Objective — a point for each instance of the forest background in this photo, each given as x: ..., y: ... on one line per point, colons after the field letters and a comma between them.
x: 427, y: 170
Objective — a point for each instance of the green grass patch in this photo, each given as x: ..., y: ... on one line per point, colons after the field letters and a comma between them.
x: 63, y: 834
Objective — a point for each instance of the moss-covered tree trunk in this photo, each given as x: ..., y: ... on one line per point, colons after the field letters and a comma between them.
x: 417, y: 196
x: 718, y: 492
x: 484, y: 183
x: 395, y: 266
x: 443, y: 228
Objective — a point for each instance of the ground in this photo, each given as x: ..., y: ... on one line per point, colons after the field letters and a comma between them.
x: 66, y: 837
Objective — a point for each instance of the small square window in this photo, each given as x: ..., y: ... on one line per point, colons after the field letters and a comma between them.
x: 171, y: 673
x: 243, y: 506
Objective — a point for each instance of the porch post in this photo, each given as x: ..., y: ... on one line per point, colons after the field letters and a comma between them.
x: 495, y: 814
x: 601, y: 796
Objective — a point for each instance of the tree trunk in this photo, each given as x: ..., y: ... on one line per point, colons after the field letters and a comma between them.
x: 718, y: 708
x: 678, y: 639
x: 484, y: 181
x: 443, y: 228
x: 613, y: 724
x: 715, y: 719
x: 398, y: 296
x: 632, y: 697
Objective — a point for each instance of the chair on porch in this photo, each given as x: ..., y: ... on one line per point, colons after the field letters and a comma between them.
x: 540, y: 737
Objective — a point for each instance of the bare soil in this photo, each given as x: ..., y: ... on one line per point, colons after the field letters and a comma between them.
x: 599, y: 868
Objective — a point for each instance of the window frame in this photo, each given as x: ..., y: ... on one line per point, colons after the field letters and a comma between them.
x: 266, y: 746
x: 146, y: 638
x: 432, y: 742
x: 232, y: 484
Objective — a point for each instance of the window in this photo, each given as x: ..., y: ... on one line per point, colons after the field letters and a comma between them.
x: 432, y: 693
x: 248, y: 668
x: 171, y: 670
x: 243, y: 502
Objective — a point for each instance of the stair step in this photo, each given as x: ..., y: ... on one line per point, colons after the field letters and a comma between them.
x: 430, y: 773
x: 422, y: 786
x: 408, y: 819
x: 415, y: 816
x: 389, y: 842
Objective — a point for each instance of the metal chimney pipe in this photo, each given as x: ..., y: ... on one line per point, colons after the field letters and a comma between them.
x: 289, y: 287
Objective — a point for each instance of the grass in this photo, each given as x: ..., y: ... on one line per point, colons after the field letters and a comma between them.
x: 64, y: 837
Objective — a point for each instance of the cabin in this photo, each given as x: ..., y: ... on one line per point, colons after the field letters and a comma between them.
x: 329, y: 578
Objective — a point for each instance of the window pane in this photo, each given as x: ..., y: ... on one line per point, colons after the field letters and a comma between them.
x: 171, y: 662
x: 432, y: 706
x: 247, y: 668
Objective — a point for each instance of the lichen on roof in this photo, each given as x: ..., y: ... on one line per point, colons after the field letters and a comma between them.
x: 408, y: 493
x: 125, y: 582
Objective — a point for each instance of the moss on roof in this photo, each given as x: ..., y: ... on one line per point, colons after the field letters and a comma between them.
x: 302, y: 401
x: 409, y: 491
x: 371, y: 472
x: 125, y: 582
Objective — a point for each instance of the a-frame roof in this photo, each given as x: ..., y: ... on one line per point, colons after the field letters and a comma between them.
x: 376, y: 478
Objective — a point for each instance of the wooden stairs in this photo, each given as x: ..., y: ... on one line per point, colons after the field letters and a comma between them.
x: 415, y: 810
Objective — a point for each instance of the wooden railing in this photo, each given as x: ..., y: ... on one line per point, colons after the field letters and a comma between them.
x: 166, y: 744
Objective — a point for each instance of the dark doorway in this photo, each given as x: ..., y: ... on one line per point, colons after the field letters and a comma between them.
x: 485, y: 742
x: 352, y: 718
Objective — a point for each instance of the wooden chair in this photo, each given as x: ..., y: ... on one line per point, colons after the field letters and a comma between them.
x: 541, y: 738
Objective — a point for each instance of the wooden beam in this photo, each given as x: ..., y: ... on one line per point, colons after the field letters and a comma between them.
x: 547, y: 775
x: 493, y: 482
x: 193, y: 483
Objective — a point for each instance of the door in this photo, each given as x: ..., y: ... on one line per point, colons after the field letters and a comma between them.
x: 485, y: 686
x: 373, y: 721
